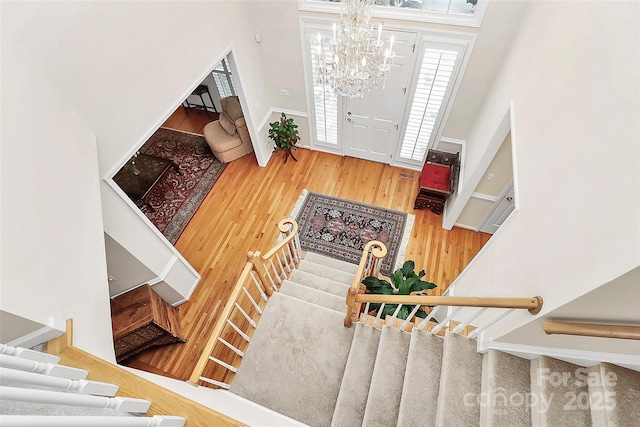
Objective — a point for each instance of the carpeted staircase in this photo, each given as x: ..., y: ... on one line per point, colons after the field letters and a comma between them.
x: 302, y: 362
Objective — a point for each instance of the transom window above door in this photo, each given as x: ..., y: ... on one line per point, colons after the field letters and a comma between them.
x: 466, y: 13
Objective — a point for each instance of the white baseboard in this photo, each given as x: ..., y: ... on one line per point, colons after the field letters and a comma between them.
x: 272, y: 110
x: 578, y: 357
x: 465, y: 226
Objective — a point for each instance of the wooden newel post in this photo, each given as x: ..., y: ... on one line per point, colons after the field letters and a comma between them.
x: 351, y: 302
x: 259, y: 268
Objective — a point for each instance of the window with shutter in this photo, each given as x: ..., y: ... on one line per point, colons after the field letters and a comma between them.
x: 432, y: 89
x: 223, y: 78
x: 325, y: 101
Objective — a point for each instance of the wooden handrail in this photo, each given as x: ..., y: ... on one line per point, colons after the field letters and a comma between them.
x: 261, y: 262
x: 220, y: 324
x: 592, y: 330
x: 286, y: 225
x: 266, y: 272
x: 534, y: 305
x: 378, y: 251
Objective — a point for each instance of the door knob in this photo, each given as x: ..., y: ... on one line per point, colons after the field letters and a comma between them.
x: 349, y: 119
x: 348, y: 113
x: 509, y: 199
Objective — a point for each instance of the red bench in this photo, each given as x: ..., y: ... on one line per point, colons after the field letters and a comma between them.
x: 438, y: 180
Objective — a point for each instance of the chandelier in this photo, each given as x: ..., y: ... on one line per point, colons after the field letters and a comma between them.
x: 356, y: 59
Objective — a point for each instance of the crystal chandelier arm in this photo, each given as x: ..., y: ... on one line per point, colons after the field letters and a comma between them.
x: 358, y: 58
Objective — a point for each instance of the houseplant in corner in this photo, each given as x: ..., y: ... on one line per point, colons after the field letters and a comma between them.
x: 404, y: 281
x: 284, y: 134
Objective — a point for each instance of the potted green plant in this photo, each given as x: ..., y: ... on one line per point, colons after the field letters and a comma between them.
x: 404, y: 281
x: 284, y: 134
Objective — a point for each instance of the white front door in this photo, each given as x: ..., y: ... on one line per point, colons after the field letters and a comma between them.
x: 372, y: 122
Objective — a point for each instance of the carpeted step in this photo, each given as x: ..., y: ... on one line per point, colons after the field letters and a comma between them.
x: 320, y: 283
x: 385, y: 391
x: 331, y: 262
x: 460, y: 382
x: 314, y: 296
x: 621, y: 398
x: 421, y: 380
x: 596, y: 396
x: 283, y: 368
x: 562, y: 394
x: 506, y: 384
x: 354, y: 390
x: 326, y: 272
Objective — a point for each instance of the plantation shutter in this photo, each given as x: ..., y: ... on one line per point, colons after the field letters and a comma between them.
x: 431, y: 92
x: 325, y: 101
x: 223, y: 79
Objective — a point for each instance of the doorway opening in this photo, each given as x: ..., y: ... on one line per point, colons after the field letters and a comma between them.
x: 170, y: 174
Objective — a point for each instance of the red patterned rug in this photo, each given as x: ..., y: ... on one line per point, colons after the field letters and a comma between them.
x: 340, y: 228
x: 176, y: 197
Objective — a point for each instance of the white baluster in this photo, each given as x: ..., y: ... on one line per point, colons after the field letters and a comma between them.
x: 26, y: 353
x: 292, y: 250
x: 45, y: 368
x: 288, y: 259
x: 61, y: 398
x: 464, y: 324
x: 275, y: 272
x: 477, y: 331
x: 93, y: 421
x: 223, y: 364
x: 242, y: 334
x: 216, y: 383
x: 231, y: 347
x: 298, y: 246
x: 446, y: 321
x: 379, y: 314
x: 426, y: 320
x: 363, y: 318
x: 395, y: 313
x: 253, y: 302
x: 284, y: 274
x: 78, y: 386
x: 409, y: 317
x: 246, y: 316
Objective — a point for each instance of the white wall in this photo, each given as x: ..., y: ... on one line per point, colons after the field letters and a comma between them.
x: 282, y: 57
x: 53, y: 262
x: 107, y: 74
x: 602, y: 303
x: 572, y: 79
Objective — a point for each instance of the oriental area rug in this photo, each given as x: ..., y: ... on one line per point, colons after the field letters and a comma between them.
x: 178, y: 195
x: 340, y: 228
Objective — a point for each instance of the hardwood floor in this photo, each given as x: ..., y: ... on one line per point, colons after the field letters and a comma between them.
x: 241, y: 212
x: 190, y: 120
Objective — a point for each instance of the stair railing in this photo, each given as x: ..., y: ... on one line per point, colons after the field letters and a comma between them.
x: 260, y: 277
x: 40, y: 382
x: 370, y: 264
x: 277, y: 264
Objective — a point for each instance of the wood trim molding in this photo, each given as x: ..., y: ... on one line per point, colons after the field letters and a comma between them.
x: 483, y: 196
x: 272, y: 110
